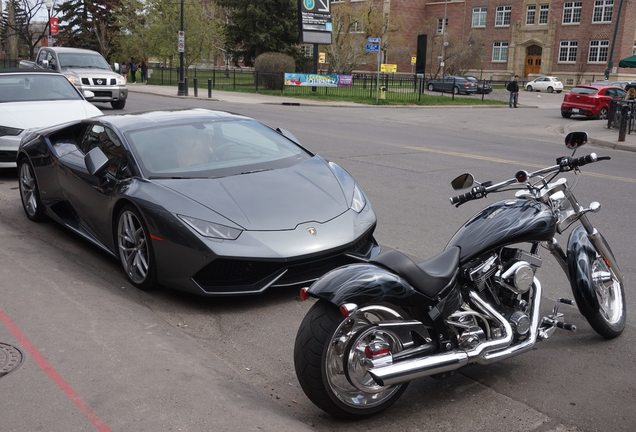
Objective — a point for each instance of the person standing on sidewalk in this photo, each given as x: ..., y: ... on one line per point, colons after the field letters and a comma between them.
x: 513, y: 88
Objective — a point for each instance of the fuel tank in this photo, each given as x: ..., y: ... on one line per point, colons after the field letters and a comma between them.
x: 502, y: 223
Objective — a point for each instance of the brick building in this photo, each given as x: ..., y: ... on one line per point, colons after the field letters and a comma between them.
x: 498, y: 38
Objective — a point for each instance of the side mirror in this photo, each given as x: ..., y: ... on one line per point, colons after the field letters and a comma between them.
x: 96, y: 162
x: 574, y: 140
x: 88, y: 95
x: 45, y: 64
x: 287, y: 134
x: 463, y: 181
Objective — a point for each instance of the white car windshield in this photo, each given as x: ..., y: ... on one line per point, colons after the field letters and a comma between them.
x: 36, y: 87
x: 83, y: 60
x: 206, y: 149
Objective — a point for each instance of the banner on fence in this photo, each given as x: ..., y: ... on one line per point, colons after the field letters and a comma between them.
x: 318, y: 80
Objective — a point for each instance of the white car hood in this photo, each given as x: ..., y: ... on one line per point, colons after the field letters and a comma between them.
x: 39, y: 114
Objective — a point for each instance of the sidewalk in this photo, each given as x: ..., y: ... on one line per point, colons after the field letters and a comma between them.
x: 599, y: 134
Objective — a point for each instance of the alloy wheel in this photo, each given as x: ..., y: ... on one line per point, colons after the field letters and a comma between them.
x: 28, y: 190
x: 132, y: 242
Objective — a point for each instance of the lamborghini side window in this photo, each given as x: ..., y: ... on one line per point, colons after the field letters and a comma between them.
x: 107, y: 141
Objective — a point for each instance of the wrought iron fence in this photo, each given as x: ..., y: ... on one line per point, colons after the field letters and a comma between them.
x: 8, y: 63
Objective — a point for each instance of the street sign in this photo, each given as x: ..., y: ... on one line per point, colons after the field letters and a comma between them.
x: 388, y: 68
x: 372, y: 48
x: 181, y: 42
x: 374, y: 40
x: 413, y: 60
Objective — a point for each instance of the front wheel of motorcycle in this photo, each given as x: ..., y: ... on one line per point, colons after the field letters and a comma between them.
x: 332, y: 355
x: 604, y: 307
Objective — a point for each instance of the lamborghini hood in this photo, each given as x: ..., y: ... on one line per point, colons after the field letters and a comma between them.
x: 278, y: 199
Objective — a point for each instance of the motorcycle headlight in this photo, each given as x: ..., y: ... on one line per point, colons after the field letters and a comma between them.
x: 120, y: 80
x: 211, y: 229
x: 9, y: 131
x: 359, y: 201
x: 73, y: 79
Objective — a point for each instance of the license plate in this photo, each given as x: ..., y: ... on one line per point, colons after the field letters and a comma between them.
x: 575, y: 110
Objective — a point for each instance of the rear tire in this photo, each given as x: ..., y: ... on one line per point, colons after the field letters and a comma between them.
x: 30, y: 192
x: 550, y: 90
x: 430, y: 87
x: 529, y: 88
x: 566, y: 114
x: 326, y: 345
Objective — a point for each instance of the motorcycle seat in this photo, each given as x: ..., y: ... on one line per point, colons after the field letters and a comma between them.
x: 429, y: 277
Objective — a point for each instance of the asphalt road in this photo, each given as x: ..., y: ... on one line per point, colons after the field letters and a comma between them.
x: 101, y: 355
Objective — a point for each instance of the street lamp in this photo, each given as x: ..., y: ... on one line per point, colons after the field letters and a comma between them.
x: 181, y: 88
x: 49, y: 9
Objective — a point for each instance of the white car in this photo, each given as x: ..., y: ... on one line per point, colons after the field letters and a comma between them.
x: 32, y: 100
x: 545, y: 83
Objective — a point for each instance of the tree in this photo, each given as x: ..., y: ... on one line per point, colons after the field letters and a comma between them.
x: 204, y: 30
x: 88, y: 24
x: 255, y: 27
x: 20, y: 22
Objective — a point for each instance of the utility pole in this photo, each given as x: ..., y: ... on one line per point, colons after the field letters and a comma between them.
x: 444, y: 41
x: 181, y: 90
x: 610, y: 57
x: 13, y: 43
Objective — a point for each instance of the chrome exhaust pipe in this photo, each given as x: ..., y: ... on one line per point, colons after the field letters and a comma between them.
x: 486, y: 352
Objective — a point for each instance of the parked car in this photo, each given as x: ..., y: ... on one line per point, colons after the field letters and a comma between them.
x: 545, y: 83
x: 36, y: 99
x: 87, y: 70
x: 203, y: 201
x: 590, y: 100
x: 482, y: 86
x: 452, y: 84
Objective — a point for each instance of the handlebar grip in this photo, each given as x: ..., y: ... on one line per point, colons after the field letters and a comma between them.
x: 476, y: 192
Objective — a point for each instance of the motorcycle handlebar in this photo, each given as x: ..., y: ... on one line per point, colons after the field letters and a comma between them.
x: 564, y: 164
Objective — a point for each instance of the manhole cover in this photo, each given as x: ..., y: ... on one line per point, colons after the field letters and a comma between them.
x: 10, y: 358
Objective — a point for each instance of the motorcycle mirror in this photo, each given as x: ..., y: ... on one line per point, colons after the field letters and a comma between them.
x: 463, y: 181
x: 574, y: 140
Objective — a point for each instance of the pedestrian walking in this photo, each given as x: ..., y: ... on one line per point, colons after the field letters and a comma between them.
x: 513, y: 88
x: 133, y: 70
x: 144, y: 71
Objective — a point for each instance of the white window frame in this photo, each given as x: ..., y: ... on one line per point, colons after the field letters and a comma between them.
x: 480, y: 15
x: 502, y: 16
x: 603, y: 11
x: 500, y: 52
x: 570, y: 49
x: 572, y: 12
x: 355, y: 27
x: 531, y: 14
x: 599, y: 51
x: 307, y: 50
x: 544, y: 13
x: 441, y: 25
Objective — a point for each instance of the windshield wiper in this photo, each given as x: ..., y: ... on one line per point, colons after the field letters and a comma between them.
x: 255, y: 171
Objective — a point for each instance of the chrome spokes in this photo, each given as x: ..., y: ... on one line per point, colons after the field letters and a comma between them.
x: 608, y: 292
x: 28, y: 189
x: 133, y: 247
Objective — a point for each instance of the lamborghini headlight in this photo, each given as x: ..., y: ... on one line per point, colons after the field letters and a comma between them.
x: 359, y: 201
x: 9, y: 131
x: 211, y: 229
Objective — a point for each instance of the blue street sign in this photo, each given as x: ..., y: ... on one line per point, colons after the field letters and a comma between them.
x: 374, y: 40
x: 372, y: 48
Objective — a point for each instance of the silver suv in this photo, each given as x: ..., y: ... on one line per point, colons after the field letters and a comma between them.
x: 87, y: 70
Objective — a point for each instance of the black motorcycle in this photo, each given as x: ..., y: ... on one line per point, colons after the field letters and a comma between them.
x: 380, y: 324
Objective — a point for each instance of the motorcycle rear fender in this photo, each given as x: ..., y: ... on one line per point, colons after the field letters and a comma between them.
x: 366, y: 284
x: 581, y: 253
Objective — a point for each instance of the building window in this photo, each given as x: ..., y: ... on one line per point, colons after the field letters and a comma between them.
x: 567, y: 51
x: 634, y: 48
x: 603, y: 11
x: 572, y: 12
x: 543, y: 13
x: 442, y: 24
x: 479, y: 17
x: 598, y: 51
x: 531, y: 12
x: 307, y: 50
x: 499, y: 52
x: 502, y: 17
x: 355, y: 27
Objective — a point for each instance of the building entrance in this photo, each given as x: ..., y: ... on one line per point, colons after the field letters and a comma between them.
x: 533, y: 60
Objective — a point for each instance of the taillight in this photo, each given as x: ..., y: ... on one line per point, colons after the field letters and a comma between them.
x: 303, y: 294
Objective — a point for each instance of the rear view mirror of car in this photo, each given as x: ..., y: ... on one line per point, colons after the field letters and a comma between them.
x: 88, y: 95
x: 96, y: 162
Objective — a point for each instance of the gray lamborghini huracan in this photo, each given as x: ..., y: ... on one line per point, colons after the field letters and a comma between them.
x: 204, y: 201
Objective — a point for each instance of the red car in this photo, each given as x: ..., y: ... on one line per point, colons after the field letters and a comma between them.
x: 590, y: 100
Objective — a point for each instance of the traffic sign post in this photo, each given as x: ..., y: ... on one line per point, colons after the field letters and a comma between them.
x: 373, y: 45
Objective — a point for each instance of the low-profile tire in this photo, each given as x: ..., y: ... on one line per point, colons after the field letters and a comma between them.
x: 565, y: 114
x: 323, y: 334
x: 550, y: 89
x: 430, y: 87
x: 602, y: 114
x: 529, y: 88
x: 135, y: 249
x: 118, y: 104
x: 30, y: 192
